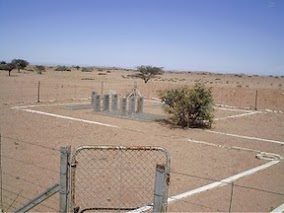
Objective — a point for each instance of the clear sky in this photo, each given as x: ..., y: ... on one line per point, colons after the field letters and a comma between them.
x: 229, y: 36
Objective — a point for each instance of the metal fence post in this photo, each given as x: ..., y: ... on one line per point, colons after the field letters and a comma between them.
x: 64, y: 178
x: 160, y: 190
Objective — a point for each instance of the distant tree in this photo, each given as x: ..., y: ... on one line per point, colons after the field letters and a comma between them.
x: 148, y: 72
x: 20, y: 63
x: 3, y: 62
x: 77, y: 67
x: 39, y: 69
x: 8, y: 67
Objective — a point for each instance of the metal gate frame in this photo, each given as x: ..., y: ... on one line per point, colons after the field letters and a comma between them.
x: 161, y: 184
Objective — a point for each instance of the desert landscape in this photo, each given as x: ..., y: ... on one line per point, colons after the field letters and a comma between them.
x: 239, y: 162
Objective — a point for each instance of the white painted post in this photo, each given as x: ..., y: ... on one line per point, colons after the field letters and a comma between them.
x: 64, y: 179
x: 160, y: 194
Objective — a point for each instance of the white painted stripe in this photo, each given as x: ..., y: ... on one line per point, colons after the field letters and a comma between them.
x: 223, y: 146
x: 45, y: 105
x: 237, y: 116
x: 210, y: 186
x: 246, y: 137
x: 222, y: 182
x: 279, y: 209
x: 234, y: 110
x: 69, y: 118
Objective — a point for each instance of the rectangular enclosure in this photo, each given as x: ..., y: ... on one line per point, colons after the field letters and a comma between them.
x: 119, y: 179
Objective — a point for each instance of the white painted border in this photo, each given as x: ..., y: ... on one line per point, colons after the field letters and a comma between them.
x: 187, y: 194
x: 279, y: 209
x: 246, y: 137
x: 238, y: 115
x: 210, y: 186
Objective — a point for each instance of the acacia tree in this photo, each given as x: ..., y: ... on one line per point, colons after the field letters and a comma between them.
x: 20, y: 64
x: 9, y: 67
x: 189, y: 107
x: 148, y: 72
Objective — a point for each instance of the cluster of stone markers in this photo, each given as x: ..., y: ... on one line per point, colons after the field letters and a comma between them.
x: 109, y: 103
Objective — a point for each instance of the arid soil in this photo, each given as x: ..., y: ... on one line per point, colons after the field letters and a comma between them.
x: 31, y: 141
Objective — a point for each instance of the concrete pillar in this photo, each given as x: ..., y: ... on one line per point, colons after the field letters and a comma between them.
x: 123, y: 103
x: 106, y: 103
x: 140, y: 103
x: 114, y: 102
x: 97, y: 103
x: 131, y: 106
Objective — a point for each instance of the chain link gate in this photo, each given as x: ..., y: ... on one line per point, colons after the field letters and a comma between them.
x: 119, y: 179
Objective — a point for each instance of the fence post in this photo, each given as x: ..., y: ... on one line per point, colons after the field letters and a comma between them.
x: 160, y: 196
x: 102, y: 88
x: 231, y: 199
x: 255, y: 100
x: 1, y: 177
x: 38, y: 92
x: 64, y: 179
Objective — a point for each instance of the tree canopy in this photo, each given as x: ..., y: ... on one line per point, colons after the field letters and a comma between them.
x: 8, y: 67
x: 148, y: 72
x: 20, y: 63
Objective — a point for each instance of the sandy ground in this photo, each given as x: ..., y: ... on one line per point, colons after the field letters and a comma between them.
x: 31, y: 142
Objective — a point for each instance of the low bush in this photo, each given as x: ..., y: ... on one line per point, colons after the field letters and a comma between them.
x: 63, y: 68
x: 189, y: 107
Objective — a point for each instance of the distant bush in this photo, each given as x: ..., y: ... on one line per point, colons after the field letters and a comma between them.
x: 189, y: 107
x: 39, y: 69
x: 63, y: 68
x: 87, y: 69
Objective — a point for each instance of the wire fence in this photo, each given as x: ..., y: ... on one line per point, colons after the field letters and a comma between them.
x: 28, y: 168
x: 122, y: 178
x: 20, y: 91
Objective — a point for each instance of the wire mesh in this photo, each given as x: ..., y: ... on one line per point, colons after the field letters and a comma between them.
x: 115, y: 179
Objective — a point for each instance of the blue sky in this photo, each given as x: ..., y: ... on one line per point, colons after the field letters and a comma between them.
x: 229, y: 36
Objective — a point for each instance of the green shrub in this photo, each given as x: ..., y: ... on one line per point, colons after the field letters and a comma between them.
x: 63, y: 68
x: 189, y: 107
x: 86, y: 69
